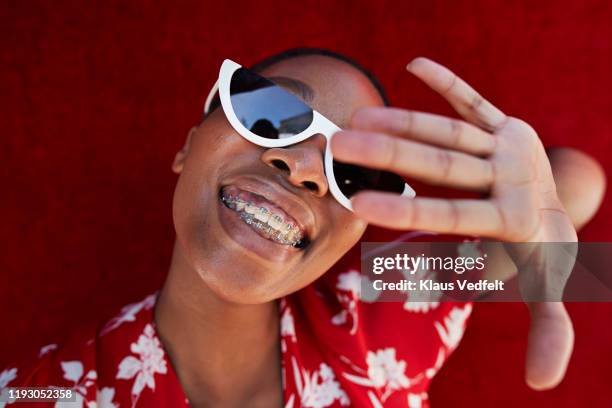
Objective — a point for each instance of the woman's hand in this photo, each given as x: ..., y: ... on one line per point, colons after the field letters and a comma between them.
x: 487, y: 152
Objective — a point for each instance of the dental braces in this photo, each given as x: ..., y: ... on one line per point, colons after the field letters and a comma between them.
x: 256, y: 217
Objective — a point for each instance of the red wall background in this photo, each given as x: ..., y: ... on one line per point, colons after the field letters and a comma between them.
x: 95, y: 100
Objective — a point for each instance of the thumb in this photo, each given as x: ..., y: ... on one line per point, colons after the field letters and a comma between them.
x: 550, y: 344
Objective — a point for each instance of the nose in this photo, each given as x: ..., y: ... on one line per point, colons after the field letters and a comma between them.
x: 302, y: 162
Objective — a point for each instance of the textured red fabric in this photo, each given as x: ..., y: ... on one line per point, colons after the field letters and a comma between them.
x: 96, y: 99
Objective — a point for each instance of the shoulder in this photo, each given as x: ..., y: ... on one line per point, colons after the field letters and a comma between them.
x: 71, y: 365
x: 93, y: 358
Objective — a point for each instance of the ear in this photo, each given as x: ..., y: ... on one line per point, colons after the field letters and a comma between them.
x: 181, y: 155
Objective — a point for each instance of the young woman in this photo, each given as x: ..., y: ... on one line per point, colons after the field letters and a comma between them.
x: 254, y: 313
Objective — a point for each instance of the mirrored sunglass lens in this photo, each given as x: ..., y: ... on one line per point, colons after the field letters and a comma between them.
x: 352, y: 179
x: 265, y: 108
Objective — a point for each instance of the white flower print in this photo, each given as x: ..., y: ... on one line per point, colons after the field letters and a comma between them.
x: 419, y: 306
x: 128, y: 313
x: 374, y: 400
x: 73, y: 371
x: 420, y: 301
x: 6, y: 377
x: 416, y: 400
x: 318, y: 389
x: 287, y: 325
x: 46, y: 349
x: 150, y: 361
x: 290, y: 401
x: 454, y: 323
x: 385, y: 371
x: 358, y: 286
x: 350, y: 281
x: 431, y: 371
x: 350, y: 309
x: 340, y: 318
x: 104, y: 399
x: 77, y: 403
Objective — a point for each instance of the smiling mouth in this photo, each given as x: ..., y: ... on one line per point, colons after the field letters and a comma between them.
x: 264, y: 217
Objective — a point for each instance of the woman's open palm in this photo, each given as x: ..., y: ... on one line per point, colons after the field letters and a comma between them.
x: 488, y: 152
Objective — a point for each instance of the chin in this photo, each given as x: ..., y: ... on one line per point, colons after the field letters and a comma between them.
x: 247, y: 293
x: 242, y: 282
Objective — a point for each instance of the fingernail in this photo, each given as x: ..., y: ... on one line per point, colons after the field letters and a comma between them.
x: 411, y: 64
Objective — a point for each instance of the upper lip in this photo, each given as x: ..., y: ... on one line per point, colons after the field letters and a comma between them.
x: 280, y: 196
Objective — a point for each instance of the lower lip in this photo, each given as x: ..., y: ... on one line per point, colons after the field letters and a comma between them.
x: 244, y: 235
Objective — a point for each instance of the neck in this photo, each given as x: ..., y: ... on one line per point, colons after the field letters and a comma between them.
x: 224, y: 353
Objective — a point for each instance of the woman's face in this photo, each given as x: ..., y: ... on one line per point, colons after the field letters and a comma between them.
x: 244, y: 263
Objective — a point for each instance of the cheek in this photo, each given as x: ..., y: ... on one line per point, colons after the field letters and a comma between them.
x: 338, y: 241
x: 345, y: 231
x: 341, y: 232
x: 347, y: 228
x: 215, y: 150
x: 196, y: 188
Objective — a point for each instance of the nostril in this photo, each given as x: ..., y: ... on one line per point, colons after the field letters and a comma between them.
x: 281, y: 165
x: 311, y: 186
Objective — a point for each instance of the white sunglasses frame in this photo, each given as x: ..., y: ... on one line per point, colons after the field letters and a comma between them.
x: 320, y: 125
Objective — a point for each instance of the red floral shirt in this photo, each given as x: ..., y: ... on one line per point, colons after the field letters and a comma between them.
x: 338, y: 350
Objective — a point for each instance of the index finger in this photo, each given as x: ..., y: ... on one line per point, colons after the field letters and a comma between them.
x: 466, y: 101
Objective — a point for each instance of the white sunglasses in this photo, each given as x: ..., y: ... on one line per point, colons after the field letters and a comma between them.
x: 267, y: 115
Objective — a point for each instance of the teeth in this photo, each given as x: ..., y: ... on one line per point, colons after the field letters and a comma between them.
x: 247, y: 218
x: 295, y: 236
x: 262, y: 219
x: 262, y: 215
x: 275, y: 222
